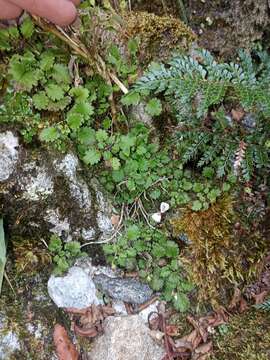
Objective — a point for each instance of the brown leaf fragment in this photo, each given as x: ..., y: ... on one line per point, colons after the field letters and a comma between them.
x: 172, y: 330
x: 183, y: 345
x: 76, y: 311
x: 115, y: 220
x: 235, y: 299
x: 243, y: 305
x: 85, y: 332
x: 108, y: 311
x: 237, y: 115
x: 65, y: 350
x: 203, y: 333
x: 259, y: 298
x: 194, y: 338
x: 202, y: 351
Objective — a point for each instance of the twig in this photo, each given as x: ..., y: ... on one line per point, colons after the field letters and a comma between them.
x: 144, y: 213
x: 106, y: 241
x: 9, y: 283
x: 182, y: 11
x: 93, y: 59
x: 164, y: 6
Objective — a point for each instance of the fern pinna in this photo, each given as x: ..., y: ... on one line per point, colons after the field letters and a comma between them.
x: 219, y: 107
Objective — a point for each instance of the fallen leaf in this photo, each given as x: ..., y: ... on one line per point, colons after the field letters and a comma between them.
x: 89, y: 332
x: 237, y: 115
x: 65, y: 350
x: 243, y: 305
x: 259, y: 298
x: 200, y: 329
x: 115, y: 219
x: 205, y: 348
x: 183, y: 345
x: 235, y: 299
x: 194, y: 338
x: 172, y: 330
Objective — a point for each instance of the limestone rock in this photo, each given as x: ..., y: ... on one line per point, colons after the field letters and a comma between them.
x: 75, y: 289
x: 49, y: 192
x: 126, y: 338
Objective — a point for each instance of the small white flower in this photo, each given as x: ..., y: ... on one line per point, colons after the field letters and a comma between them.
x: 164, y: 207
x: 157, y: 217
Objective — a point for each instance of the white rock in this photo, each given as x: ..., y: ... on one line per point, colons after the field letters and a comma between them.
x: 75, y: 289
x: 38, y: 185
x: 126, y: 338
x: 60, y: 226
x: 9, y: 343
x: 8, y: 154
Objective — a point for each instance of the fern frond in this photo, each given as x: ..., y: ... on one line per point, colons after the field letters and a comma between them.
x: 265, y: 306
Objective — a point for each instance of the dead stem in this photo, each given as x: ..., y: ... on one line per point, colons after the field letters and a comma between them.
x: 94, y: 60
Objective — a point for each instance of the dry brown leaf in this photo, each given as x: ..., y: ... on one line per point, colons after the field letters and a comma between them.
x: 202, y: 351
x: 259, y: 298
x: 243, y: 305
x: 183, y: 345
x: 194, y: 338
x: 115, y: 219
x: 86, y: 332
x: 205, y: 348
x: 237, y: 115
x: 200, y: 329
x: 172, y: 330
x: 235, y: 299
x: 65, y: 350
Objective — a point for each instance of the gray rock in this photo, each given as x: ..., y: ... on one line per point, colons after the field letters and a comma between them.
x: 69, y: 202
x: 128, y: 290
x: 27, y: 321
x: 9, y: 342
x: 75, y: 289
x: 126, y: 338
x: 8, y: 154
x: 139, y: 114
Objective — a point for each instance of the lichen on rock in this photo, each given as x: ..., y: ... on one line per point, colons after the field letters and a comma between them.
x: 44, y: 191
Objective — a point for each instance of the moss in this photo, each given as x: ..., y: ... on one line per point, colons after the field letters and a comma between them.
x: 30, y: 256
x: 217, y: 258
x: 29, y: 314
x: 158, y: 35
x: 247, y: 337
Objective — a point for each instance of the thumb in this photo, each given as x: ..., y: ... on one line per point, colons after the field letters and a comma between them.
x: 60, y: 12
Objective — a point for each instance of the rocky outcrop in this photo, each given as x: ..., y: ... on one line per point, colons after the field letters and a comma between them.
x: 45, y: 192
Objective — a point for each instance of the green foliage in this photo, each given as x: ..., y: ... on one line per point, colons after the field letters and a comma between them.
x: 202, y: 93
x: 2, y: 253
x: 64, y: 254
x: 265, y: 306
x: 156, y: 258
x: 137, y: 166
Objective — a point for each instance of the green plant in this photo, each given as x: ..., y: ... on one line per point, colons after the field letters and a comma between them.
x: 64, y: 254
x: 156, y: 258
x: 223, y: 109
x: 265, y: 306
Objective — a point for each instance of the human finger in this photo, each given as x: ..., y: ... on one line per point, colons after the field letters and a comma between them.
x: 61, y: 12
x: 9, y: 11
